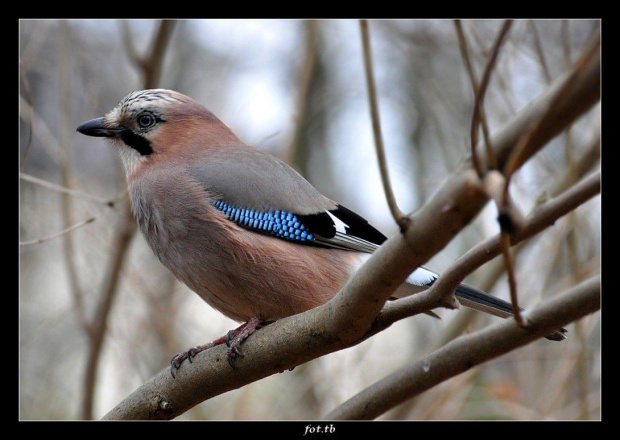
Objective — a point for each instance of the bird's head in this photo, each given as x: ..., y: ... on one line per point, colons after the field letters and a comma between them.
x: 148, y: 124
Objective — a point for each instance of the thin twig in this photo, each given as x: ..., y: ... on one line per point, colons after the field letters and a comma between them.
x: 464, y: 48
x: 540, y: 52
x: 304, y: 83
x: 28, y: 95
x: 66, y: 173
x: 57, y: 234
x: 481, y: 92
x: 523, y: 145
x: 566, y: 50
x: 399, y: 216
x: 512, y: 279
x: 509, y: 169
x: 72, y: 192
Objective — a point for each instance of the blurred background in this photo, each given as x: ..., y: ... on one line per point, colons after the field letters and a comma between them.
x: 99, y: 315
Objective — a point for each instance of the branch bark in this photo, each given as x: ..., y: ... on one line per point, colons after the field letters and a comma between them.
x: 543, y: 217
x: 468, y: 351
x: 350, y: 314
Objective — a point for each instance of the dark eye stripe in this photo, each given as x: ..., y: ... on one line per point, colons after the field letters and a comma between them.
x: 137, y: 142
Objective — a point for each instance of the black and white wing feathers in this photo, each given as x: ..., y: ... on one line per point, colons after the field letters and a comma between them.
x: 343, y: 229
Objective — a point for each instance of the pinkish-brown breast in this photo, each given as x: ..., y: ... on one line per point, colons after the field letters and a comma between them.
x: 239, y: 272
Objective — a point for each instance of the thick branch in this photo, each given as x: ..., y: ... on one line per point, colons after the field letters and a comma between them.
x: 349, y: 316
x: 468, y: 351
x: 543, y: 217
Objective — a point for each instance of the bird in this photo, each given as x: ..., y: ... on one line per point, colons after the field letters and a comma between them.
x: 238, y: 226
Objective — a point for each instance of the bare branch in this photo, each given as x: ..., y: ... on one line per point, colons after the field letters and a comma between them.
x: 464, y: 48
x: 512, y: 279
x: 133, y: 54
x: 544, y: 216
x: 66, y: 174
x: 304, y: 82
x: 57, y: 234
x: 399, y: 217
x: 28, y: 94
x: 154, y: 61
x: 62, y: 189
x: 583, y: 68
x: 350, y: 314
x: 465, y: 352
x: 540, y: 52
x: 583, y: 166
x: 106, y: 297
x: 481, y: 92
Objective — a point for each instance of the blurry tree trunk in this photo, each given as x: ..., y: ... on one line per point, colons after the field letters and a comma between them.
x: 150, y: 68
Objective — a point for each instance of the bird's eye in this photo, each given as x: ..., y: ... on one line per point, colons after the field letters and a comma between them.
x: 146, y: 120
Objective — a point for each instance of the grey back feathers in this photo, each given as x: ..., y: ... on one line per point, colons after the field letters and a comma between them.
x: 250, y: 178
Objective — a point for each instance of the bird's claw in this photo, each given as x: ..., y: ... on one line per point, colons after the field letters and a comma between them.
x: 191, y: 353
x: 233, y: 339
x: 229, y: 337
x: 176, y: 361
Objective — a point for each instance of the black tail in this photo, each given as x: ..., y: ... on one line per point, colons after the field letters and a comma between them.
x: 479, y: 300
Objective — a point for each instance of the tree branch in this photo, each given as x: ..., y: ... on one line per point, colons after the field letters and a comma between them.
x: 69, y: 191
x: 399, y: 217
x: 480, y: 92
x: 304, y: 83
x: 350, y: 314
x: 543, y: 217
x: 57, y: 234
x: 465, y: 352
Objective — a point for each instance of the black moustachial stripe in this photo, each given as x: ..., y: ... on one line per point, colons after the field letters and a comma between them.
x: 137, y: 142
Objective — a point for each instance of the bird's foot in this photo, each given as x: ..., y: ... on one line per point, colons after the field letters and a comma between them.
x: 235, y: 338
x: 177, y: 359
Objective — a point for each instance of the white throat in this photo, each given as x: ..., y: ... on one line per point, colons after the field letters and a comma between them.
x: 131, y: 159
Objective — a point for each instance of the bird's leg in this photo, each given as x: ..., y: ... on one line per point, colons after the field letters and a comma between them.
x: 178, y: 358
x: 235, y: 338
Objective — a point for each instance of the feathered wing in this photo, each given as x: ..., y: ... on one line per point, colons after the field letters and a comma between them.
x: 263, y: 194
x: 249, y: 178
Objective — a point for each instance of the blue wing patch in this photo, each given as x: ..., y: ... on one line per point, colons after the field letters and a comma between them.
x: 338, y: 228
x: 282, y: 224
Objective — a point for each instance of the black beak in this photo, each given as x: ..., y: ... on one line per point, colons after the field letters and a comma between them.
x: 95, y: 128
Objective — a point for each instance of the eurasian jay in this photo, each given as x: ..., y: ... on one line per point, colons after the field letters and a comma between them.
x: 238, y: 226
